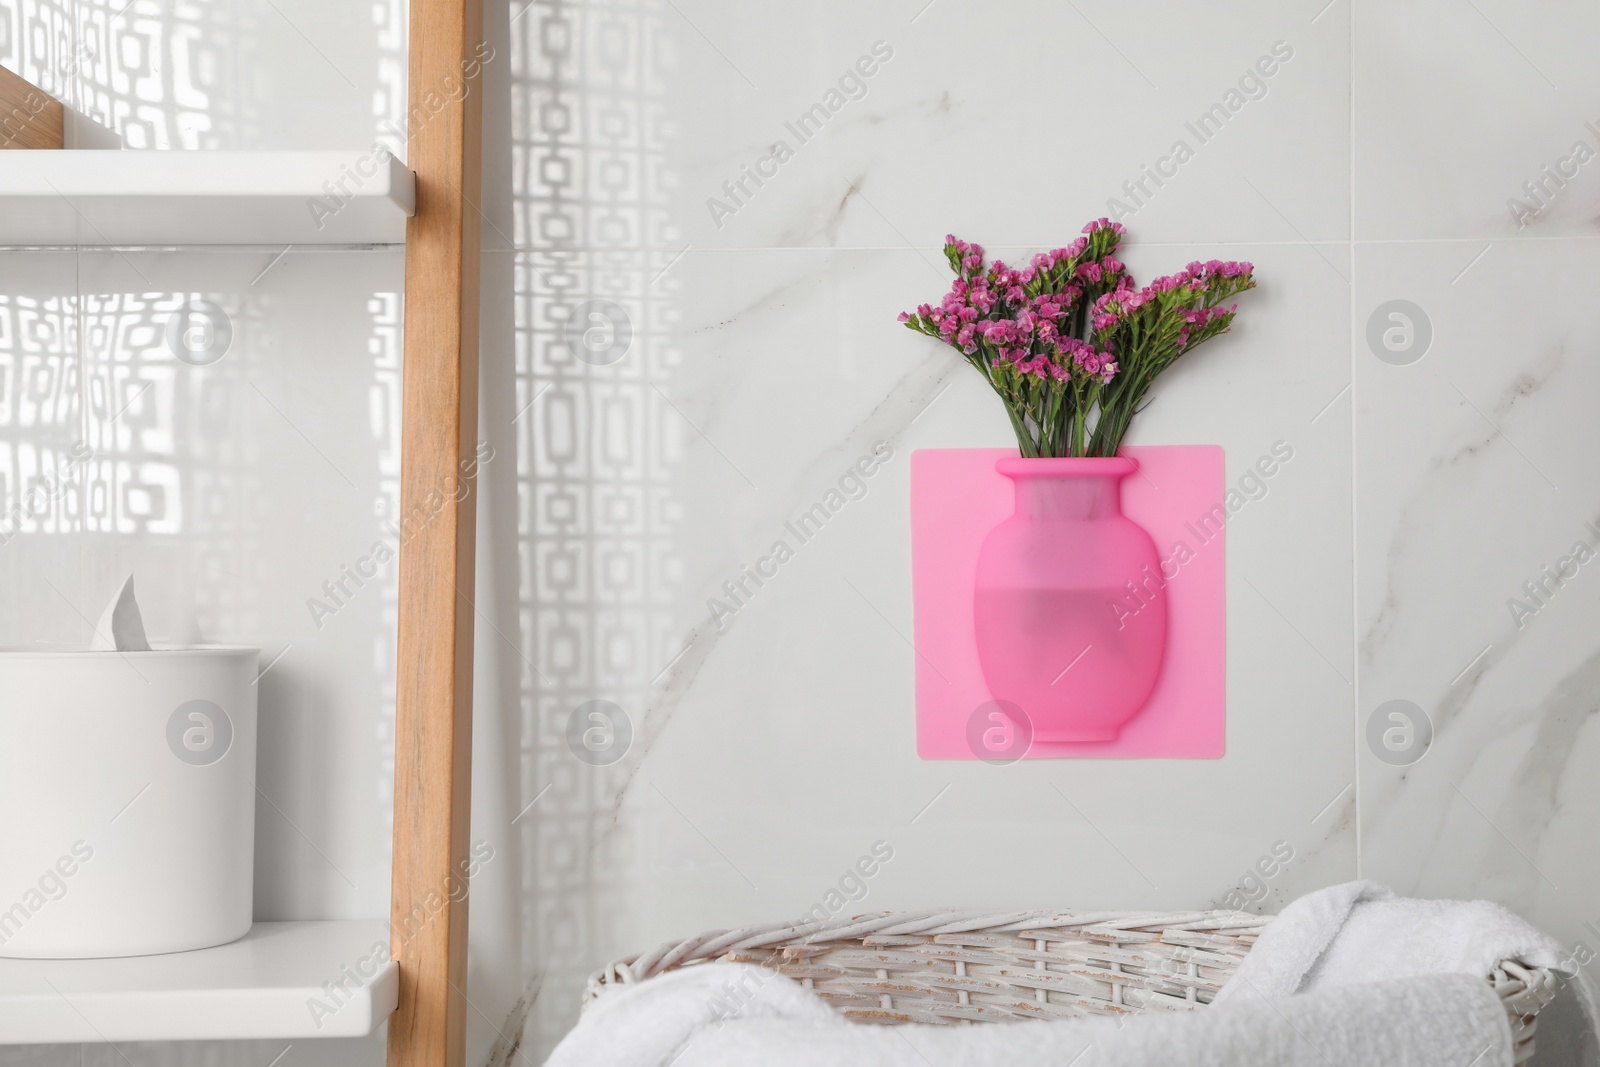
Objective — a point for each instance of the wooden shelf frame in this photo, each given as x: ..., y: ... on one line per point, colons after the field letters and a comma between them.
x: 439, y: 425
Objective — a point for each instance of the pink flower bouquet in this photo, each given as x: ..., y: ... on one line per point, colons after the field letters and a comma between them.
x: 1070, y: 344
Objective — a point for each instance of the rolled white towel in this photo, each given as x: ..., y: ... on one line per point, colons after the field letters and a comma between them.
x: 1361, y: 931
x: 652, y: 1023
x: 724, y: 1015
x: 1444, y: 1020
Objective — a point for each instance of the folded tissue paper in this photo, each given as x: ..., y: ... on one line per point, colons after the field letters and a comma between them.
x: 121, y: 626
x: 130, y: 775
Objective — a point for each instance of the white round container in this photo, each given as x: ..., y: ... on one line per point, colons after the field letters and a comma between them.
x: 127, y: 800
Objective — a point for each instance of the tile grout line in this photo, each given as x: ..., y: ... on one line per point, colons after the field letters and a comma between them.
x: 1355, y: 584
x: 591, y: 250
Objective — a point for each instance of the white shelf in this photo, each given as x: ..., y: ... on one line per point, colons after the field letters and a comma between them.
x: 129, y: 198
x: 265, y: 985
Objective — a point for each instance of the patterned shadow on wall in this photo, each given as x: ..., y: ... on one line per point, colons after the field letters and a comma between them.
x: 92, y: 376
x: 157, y: 73
x: 597, y: 441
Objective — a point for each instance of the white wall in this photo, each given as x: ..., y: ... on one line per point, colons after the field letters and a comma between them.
x: 770, y: 753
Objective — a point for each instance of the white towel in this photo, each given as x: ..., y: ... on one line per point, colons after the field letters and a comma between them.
x: 1360, y: 931
x: 684, y: 1019
x: 1447, y: 1020
x: 1351, y: 974
x: 649, y: 1024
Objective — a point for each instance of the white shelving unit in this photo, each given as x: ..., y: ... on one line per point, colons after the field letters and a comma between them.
x: 269, y: 984
x: 281, y: 980
x: 286, y: 980
x: 161, y: 198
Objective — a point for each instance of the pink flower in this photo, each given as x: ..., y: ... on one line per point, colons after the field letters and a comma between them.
x: 1005, y: 332
x: 1020, y: 321
x: 1105, y: 224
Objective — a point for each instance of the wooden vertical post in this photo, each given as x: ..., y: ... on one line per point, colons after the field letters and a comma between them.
x: 29, y: 116
x: 439, y: 426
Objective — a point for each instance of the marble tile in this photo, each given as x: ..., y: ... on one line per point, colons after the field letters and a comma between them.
x: 1458, y: 105
x: 1008, y: 126
x: 1473, y: 476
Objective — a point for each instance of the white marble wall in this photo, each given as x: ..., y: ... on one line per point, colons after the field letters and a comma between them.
x: 1372, y: 165
x: 774, y: 749
x: 1473, y: 465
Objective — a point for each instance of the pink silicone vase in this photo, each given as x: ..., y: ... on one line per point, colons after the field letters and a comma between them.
x: 1069, y: 604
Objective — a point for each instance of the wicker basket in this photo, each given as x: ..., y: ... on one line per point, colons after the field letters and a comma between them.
x: 951, y: 967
